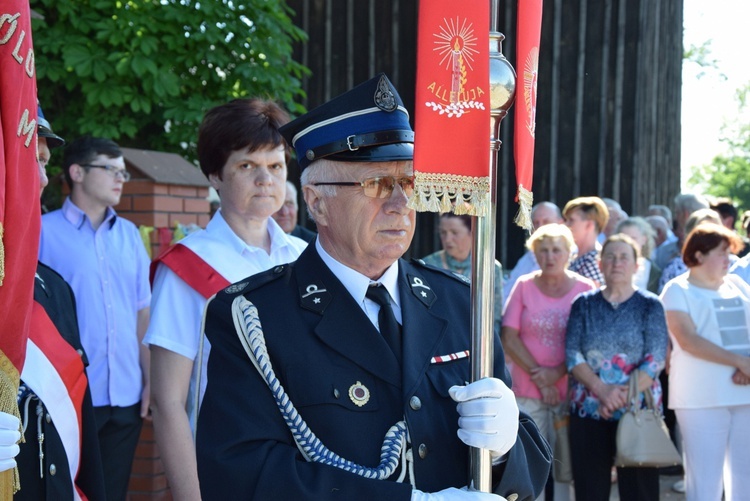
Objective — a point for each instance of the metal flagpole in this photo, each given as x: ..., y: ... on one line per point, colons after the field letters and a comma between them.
x: 502, y: 93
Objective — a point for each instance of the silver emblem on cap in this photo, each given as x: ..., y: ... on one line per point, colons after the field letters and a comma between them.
x: 310, y: 155
x: 384, y: 97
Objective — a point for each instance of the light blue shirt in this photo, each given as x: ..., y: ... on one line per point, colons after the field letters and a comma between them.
x: 108, y: 271
x: 742, y: 268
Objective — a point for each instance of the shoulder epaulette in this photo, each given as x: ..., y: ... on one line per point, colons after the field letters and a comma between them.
x: 449, y: 273
x: 256, y: 281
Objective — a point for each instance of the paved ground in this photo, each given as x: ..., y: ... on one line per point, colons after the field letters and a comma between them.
x: 666, y: 492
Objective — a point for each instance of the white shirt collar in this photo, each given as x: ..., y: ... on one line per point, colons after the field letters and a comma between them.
x: 357, y: 283
x: 221, y: 229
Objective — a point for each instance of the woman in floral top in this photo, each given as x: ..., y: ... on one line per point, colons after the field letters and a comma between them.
x: 611, y: 332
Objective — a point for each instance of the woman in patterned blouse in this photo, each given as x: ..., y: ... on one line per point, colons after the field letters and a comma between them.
x: 611, y: 332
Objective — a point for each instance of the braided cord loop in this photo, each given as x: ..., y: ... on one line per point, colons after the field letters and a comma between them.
x: 250, y: 332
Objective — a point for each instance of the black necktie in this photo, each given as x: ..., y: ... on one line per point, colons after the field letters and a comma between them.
x: 389, y: 327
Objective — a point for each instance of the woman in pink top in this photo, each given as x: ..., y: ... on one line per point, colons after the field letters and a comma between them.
x: 534, y: 323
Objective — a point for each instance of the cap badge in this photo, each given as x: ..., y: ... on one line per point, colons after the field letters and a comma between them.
x: 359, y: 394
x: 384, y: 97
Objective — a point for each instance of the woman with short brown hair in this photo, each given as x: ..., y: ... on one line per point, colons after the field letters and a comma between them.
x: 708, y: 313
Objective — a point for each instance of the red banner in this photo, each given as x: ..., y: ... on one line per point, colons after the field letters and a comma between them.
x: 451, y: 140
x: 19, y: 201
x: 529, y: 31
x: 19, y: 179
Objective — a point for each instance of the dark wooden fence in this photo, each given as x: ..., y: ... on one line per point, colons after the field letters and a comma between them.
x: 609, y: 93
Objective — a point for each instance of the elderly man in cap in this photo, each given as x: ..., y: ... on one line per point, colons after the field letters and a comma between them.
x: 59, y: 458
x: 344, y: 374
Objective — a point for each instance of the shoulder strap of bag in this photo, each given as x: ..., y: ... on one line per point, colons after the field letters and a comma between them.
x: 633, y: 393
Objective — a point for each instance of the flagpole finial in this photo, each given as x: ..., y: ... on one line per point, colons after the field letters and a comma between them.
x: 502, y: 78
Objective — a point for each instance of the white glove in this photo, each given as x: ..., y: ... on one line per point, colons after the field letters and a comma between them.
x: 489, y: 415
x: 9, y: 437
x: 453, y: 494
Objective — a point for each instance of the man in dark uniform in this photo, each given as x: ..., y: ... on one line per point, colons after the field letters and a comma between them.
x: 60, y: 456
x: 338, y: 376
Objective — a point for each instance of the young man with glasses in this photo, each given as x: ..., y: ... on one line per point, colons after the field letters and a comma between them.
x: 359, y: 344
x: 104, y: 260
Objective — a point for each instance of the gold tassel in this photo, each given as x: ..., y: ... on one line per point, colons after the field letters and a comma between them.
x: 446, y: 205
x: 10, y: 482
x: 433, y: 202
x: 445, y: 192
x: 525, y: 202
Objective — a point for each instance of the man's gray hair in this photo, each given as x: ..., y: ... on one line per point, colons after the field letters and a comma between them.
x: 663, y: 211
x: 321, y: 171
x: 689, y: 202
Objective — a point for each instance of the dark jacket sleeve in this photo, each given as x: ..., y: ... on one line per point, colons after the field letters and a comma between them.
x: 527, y: 466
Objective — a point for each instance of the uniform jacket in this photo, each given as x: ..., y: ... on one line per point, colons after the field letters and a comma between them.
x: 320, y: 346
x: 54, y: 294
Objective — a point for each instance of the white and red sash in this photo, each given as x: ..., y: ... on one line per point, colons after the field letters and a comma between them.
x: 54, y: 372
x: 192, y: 269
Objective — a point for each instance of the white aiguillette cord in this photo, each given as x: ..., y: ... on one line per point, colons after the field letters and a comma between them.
x: 250, y: 332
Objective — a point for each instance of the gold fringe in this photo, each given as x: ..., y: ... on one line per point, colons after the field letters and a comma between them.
x: 450, y: 192
x: 10, y: 483
x: 2, y: 255
x: 525, y: 202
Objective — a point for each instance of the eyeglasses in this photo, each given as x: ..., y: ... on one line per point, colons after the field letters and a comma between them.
x: 379, y: 187
x: 112, y: 170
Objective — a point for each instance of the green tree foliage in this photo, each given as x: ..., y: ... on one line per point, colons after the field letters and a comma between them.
x: 143, y: 72
x: 728, y: 175
x: 702, y: 56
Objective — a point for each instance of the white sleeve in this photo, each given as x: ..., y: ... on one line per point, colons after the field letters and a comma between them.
x: 673, y: 297
x: 176, y: 314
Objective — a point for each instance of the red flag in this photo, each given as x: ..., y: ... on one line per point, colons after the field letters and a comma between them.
x: 19, y: 196
x: 529, y: 31
x: 451, y: 139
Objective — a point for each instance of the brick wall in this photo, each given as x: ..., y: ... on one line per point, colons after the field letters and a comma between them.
x: 147, y: 203
x: 148, y: 481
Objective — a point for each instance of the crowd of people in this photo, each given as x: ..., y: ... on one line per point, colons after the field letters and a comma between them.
x: 278, y: 363
x: 690, y: 343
